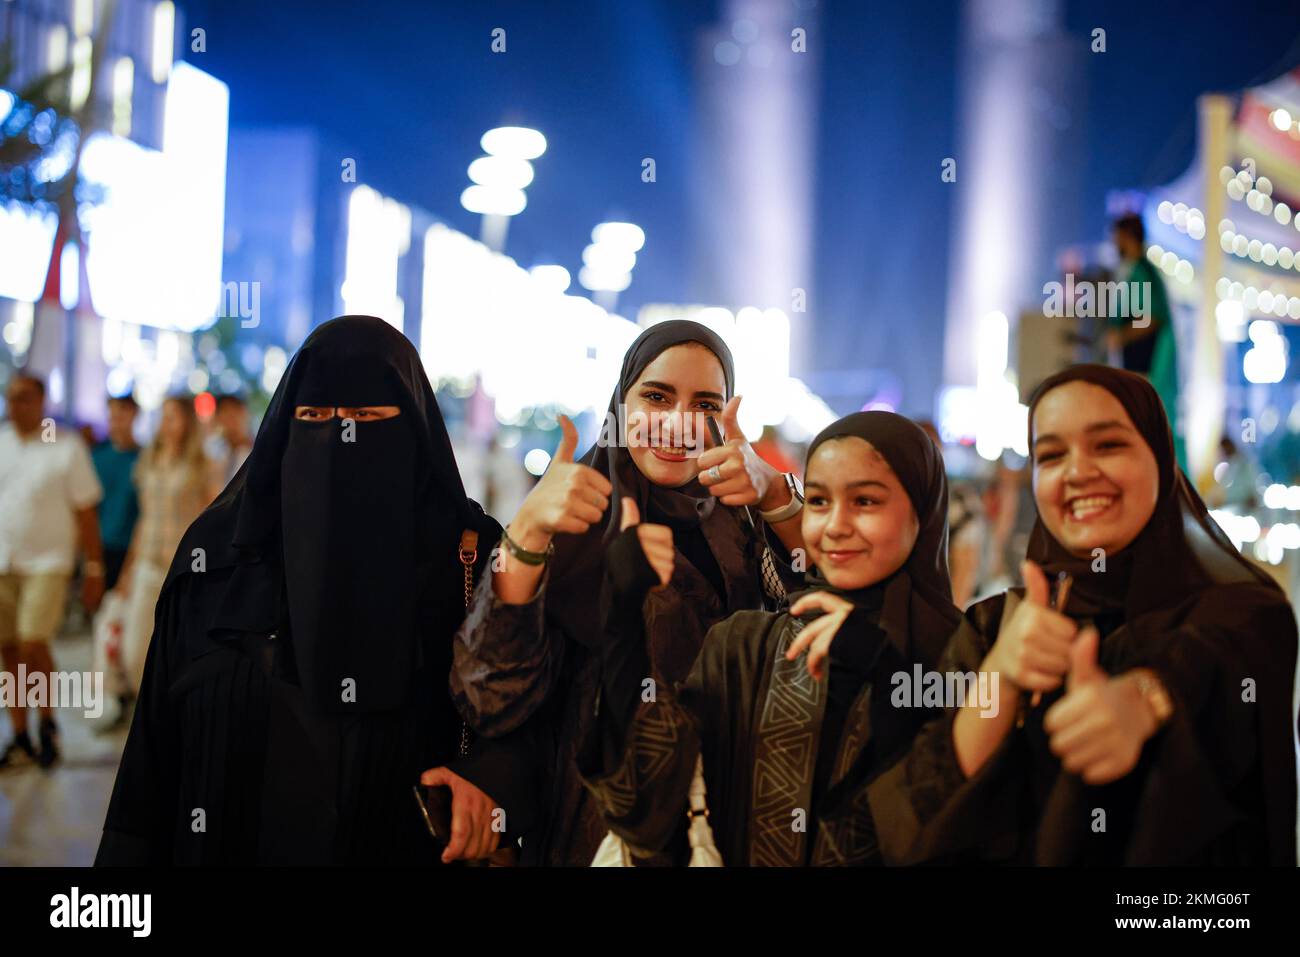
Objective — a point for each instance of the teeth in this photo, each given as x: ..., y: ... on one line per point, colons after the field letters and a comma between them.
x: 1093, y: 503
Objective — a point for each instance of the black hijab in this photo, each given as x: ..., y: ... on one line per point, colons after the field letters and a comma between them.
x: 579, y: 559
x: 365, y: 548
x: 1181, y: 549
x: 915, y: 608
x: 689, y: 503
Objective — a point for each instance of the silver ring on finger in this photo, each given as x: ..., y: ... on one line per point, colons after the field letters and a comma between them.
x: 715, y: 473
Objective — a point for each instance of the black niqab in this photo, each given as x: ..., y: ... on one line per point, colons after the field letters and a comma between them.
x: 331, y: 504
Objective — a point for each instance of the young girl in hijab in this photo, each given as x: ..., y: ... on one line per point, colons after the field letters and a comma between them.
x: 294, y: 690
x: 1145, y: 670
x: 788, y: 740
x: 525, y: 649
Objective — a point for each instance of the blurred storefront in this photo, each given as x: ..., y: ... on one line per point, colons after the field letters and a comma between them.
x: 116, y: 305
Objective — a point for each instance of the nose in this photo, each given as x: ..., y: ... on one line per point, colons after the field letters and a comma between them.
x: 1080, y: 467
x: 670, y: 427
x: 838, y: 524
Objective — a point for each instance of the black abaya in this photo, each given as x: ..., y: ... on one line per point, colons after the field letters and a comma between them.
x: 284, y: 719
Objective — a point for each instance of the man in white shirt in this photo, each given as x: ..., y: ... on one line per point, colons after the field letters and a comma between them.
x: 48, y: 494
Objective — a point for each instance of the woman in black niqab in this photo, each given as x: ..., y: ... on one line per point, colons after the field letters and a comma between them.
x: 295, y: 685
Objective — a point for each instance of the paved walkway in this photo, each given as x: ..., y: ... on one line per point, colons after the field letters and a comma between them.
x: 54, y: 817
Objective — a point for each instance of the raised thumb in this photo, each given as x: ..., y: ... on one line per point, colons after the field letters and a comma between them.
x: 631, y: 515
x: 731, y: 421
x: 1083, y: 659
x: 1037, y: 591
x: 568, y: 440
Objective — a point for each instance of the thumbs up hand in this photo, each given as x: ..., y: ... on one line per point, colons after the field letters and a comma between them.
x: 1032, y: 649
x: 569, y: 498
x: 656, y: 541
x: 1099, y: 727
x: 734, y: 473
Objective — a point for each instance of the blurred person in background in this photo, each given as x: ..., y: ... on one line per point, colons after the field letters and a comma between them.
x: 968, y: 531
x: 1234, y: 479
x: 232, y: 442
x: 115, y: 460
x: 175, y: 481
x: 1149, y: 349
x: 48, y: 494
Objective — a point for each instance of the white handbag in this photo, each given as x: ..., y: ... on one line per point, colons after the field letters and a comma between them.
x: 613, y: 852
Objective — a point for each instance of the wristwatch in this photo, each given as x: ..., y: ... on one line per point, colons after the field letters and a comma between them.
x: 791, y: 508
x: 1155, y: 694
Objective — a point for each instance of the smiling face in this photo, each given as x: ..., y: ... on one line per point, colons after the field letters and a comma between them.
x: 666, y: 407
x: 858, y: 522
x: 1096, y: 481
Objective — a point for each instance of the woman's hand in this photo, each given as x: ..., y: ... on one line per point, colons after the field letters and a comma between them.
x: 656, y: 541
x: 570, y: 497
x: 818, y: 634
x: 734, y: 473
x: 1099, y: 727
x: 472, y: 815
x: 1032, y: 650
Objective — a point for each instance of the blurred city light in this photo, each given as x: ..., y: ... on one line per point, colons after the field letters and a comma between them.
x: 516, y: 142
x: 379, y: 234
x: 554, y: 277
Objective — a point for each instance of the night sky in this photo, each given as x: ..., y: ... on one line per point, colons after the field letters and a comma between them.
x: 408, y: 88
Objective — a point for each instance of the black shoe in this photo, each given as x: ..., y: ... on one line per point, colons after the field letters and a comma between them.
x: 49, y: 744
x: 19, y: 753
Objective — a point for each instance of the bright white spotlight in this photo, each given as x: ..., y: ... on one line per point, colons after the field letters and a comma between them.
x: 536, y: 461
x: 621, y: 235
x: 491, y: 201
x: 555, y: 278
x: 598, y: 281
x: 515, y: 142
x: 606, y: 258
x: 501, y: 172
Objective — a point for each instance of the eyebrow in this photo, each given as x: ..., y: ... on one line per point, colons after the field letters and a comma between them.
x: 862, y: 483
x: 665, y: 387
x: 1094, y: 427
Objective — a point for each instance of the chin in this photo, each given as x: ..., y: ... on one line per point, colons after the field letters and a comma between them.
x: 849, y: 579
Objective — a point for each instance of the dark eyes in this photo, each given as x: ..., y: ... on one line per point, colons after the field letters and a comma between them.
x: 653, y: 395
x: 820, y: 501
x: 1105, y: 445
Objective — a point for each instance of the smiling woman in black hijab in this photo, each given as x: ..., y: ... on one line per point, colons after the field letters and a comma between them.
x: 525, y: 649
x: 1147, y: 713
x: 786, y: 739
x: 294, y: 687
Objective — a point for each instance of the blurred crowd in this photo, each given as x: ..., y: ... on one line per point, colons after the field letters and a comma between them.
x: 105, y: 513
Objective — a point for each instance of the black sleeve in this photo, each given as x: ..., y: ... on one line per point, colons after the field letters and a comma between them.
x: 506, y: 769
x: 625, y: 662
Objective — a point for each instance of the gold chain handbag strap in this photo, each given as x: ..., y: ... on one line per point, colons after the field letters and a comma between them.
x: 468, y: 556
